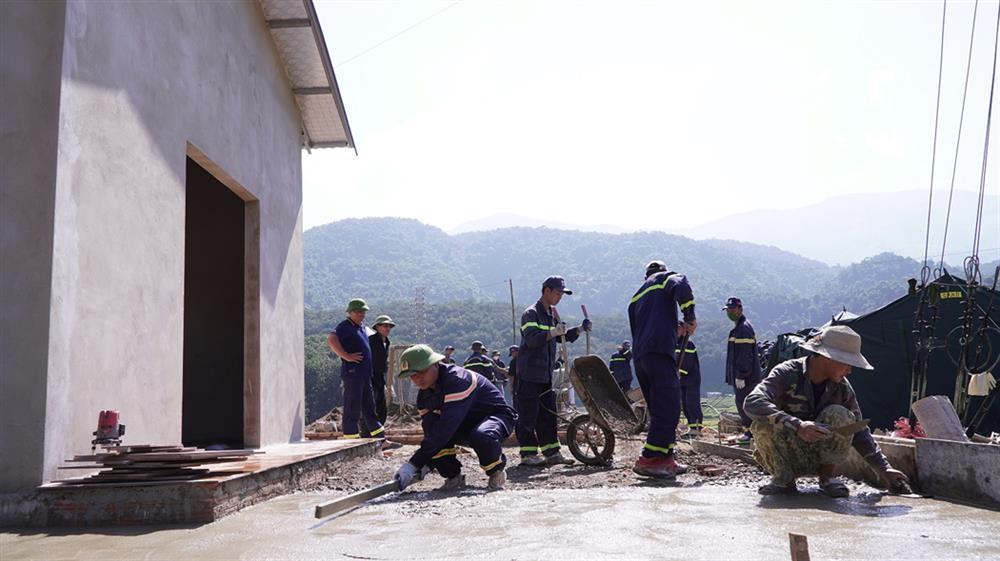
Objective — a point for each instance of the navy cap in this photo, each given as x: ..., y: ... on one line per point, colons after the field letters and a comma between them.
x: 557, y: 283
x: 733, y: 302
x: 511, y: 349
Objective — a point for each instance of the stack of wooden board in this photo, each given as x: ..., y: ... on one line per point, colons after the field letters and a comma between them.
x: 146, y: 463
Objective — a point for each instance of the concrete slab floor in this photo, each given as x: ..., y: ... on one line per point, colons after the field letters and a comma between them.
x: 638, y: 522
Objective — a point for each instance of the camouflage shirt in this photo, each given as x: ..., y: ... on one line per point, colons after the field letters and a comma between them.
x: 785, y: 399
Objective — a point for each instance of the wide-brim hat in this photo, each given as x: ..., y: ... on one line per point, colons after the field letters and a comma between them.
x: 357, y: 305
x: 417, y: 358
x: 384, y: 320
x: 839, y: 343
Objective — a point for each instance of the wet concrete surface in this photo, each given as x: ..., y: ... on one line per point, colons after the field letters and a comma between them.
x: 642, y: 520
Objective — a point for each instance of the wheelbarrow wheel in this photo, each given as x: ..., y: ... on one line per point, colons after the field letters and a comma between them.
x: 589, y: 442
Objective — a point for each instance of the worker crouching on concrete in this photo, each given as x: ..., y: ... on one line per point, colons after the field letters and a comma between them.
x: 652, y: 316
x: 457, y: 406
x: 797, y: 409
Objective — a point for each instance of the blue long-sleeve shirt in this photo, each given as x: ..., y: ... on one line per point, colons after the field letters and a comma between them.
x: 460, y: 397
x: 690, y: 367
x: 652, y: 313
x: 621, y: 366
x: 481, y: 364
x: 536, y: 355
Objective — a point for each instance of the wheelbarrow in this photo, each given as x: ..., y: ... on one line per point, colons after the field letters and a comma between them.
x: 591, y: 436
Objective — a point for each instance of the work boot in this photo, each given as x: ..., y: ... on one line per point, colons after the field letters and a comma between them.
x: 746, y: 439
x: 453, y: 483
x: 834, y: 488
x: 557, y: 459
x: 776, y: 487
x: 662, y: 467
x: 498, y: 480
x: 533, y: 461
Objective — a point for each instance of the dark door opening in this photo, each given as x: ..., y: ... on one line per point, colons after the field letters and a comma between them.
x: 214, y: 265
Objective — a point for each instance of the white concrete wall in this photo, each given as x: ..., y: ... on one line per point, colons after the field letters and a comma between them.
x: 140, y: 81
x: 29, y: 87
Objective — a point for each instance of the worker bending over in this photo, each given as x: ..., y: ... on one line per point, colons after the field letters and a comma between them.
x: 652, y: 316
x: 457, y: 406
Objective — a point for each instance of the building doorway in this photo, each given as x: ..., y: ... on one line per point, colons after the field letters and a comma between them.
x: 220, y: 314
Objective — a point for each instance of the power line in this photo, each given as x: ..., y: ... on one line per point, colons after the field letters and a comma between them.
x: 397, y: 34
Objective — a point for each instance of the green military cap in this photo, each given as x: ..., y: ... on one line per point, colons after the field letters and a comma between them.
x: 417, y: 358
x: 356, y: 305
x: 384, y: 320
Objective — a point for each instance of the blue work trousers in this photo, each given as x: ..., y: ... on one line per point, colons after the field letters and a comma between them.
x: 359, y: 402
x: 485, y: 436
x: 535, y: 404
x: 691, y: 400
x: 657, y: 375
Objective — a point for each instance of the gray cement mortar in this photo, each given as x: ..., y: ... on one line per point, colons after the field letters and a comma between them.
x: 563, y: 512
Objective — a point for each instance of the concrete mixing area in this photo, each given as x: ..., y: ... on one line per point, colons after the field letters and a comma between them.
x: 645, y: 520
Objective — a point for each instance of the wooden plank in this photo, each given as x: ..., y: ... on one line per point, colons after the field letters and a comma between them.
x: 799, y: 546
x: 343, y: 503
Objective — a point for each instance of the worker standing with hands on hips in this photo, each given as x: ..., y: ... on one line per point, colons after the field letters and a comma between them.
x: 533, y: 397
x: 742, y: 363
x: 349, y: 341
x: 456, y: 406
x: 652, y: 317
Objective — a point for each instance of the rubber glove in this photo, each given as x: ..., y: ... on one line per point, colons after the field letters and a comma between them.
x: 587, y: 325
x: 558, y: 330
x: 406, y: 474
x: 981, y: 384
x: 740, y: 384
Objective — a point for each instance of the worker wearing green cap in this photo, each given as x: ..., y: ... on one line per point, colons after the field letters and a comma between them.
x: 349, y: 341
x: 457, y: 406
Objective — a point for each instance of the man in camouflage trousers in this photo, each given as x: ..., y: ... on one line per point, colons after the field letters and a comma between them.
x: 796, y: 409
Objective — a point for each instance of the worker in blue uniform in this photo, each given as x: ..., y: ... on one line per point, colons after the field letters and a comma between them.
x: 457, y: 406
x: 448, y: 351
x: 689, y: 370
x: 742, y: 362
x: 349, y: 341
x: 480, y: 363
x: 534, y: 399
x: 652, y: 317
x: 621, y: 366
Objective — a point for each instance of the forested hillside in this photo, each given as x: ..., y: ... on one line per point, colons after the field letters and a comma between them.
x: 464, y: 277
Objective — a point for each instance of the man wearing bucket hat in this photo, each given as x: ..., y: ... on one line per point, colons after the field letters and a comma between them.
x: 797, y: 409
x: 457, y: 406
x: 350, y: 342
x: 379, y: 343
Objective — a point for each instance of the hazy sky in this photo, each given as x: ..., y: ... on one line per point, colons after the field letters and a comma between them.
x: 643, y: 114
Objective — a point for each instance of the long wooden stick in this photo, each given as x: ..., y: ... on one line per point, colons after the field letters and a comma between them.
x: 351, y: 501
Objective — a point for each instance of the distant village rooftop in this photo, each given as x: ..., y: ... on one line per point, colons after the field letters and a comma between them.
x: 296, y: 31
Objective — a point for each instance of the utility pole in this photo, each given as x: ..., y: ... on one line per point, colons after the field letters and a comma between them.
x: 513, y: 314
x: 418, y: 305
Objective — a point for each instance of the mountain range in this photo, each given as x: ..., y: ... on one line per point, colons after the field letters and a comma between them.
x: 840, y: 230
